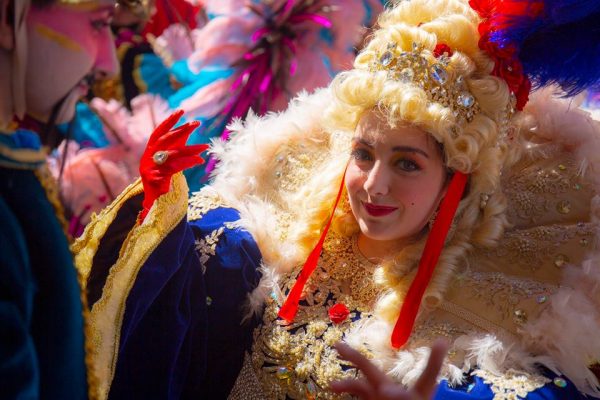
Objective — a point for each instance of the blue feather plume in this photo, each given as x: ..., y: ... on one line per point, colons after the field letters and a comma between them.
x: 560, y: 46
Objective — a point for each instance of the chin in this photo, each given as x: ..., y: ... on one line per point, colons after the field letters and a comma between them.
x: 374, y: 232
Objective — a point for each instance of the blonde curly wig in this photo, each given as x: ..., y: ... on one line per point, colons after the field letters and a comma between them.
x: 476, y: 148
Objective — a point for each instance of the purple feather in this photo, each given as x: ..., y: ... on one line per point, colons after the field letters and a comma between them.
x: 561, y: 46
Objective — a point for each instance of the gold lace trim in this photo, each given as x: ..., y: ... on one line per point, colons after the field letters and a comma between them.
x: 512, y: 385
x: 85, y: 247
x: 200, y: 203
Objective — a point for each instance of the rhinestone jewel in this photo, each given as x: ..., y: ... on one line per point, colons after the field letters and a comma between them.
x: 439, y: 74
x: 560, y: 382
x: 311, y: 391
x: 407, y: 75
x: 520, y: 316
x: 208, y: 300
x: 386, y: 58
x: 563, y: 207
x: 541, y: 299
x: 283, y: 373
x: 561, y: 260
x: 577, y: 186
x: 562, y: 167
x: 466, y: 100
x: 160, y: 157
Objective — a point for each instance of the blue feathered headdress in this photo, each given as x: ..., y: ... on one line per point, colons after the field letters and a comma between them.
x: 555, y: 41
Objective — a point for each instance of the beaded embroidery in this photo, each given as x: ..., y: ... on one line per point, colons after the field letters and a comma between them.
x: 512, y: 385
x: 297, y: 360
x: 538, y: 190
x: 200, y: 203
x: 206, y: 247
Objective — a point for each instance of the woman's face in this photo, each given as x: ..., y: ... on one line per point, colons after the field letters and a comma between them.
x: 395, y: 179
x: 67, y: 47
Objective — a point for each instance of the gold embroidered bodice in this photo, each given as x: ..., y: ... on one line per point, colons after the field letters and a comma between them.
x: 297, y: 360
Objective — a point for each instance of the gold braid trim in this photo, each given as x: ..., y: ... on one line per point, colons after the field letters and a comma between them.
x: 106, y: 316
x: 86, y: 245
x: 84, y: 249
x: 50, y: 186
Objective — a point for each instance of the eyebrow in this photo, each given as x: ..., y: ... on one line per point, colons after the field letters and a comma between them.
x: 405, y: 149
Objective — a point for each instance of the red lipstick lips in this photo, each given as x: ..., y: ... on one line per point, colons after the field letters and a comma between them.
x: 378, y: 211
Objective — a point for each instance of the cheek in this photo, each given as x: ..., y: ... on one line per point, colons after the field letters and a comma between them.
x: 420, y: 195
x: 355, y: 180
x: 68, y: 29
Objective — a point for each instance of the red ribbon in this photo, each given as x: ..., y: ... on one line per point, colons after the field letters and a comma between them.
x: 290, y: 307
x: 431, y: 254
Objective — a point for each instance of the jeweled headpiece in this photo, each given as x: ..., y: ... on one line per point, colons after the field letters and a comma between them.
x: 431, y: 71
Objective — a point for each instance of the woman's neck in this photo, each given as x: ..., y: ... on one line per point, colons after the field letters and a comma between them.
x: 377, y: 250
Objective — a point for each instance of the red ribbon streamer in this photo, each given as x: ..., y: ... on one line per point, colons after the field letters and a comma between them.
x: 290, y: 307
x: 431, y: 254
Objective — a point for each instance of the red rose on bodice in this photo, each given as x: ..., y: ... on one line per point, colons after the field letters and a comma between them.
x: 338, y: 313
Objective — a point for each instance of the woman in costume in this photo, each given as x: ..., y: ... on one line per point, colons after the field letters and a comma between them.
x: 437, y: 209
x: 50, y: 50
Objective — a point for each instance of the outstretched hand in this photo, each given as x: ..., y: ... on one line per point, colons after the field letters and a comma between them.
x: 166, y: 154
x: 376, y: 385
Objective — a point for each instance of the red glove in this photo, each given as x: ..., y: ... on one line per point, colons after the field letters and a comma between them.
x: 165, y: 155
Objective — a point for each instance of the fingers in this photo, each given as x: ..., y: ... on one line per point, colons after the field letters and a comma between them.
x: 164, y: 127
x: 177, y: 137
x: 184, y: 163
x: 373, y: 374
x: 427, y: 382
x: 356, y: 387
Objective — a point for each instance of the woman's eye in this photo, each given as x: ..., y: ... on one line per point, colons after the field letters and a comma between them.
x: 361, y: 155
x: 407, y: 165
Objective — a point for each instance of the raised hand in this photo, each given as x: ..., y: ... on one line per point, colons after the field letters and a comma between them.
x: 376, y: 385
x: 165, y: 155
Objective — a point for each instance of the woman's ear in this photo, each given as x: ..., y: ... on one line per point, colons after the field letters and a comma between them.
x: 7, y: 35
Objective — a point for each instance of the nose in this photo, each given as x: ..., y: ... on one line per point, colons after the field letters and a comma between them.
x: 106, y: 62
x: 378, y: 181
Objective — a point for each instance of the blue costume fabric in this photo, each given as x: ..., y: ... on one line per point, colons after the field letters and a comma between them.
x: 475, y: 388
x: 41, y: 323
x: 182, y: 335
